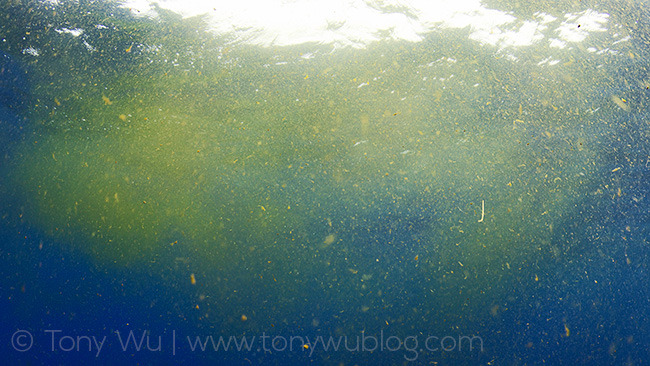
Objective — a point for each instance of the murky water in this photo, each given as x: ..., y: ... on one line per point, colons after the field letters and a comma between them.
x: 447, y: 186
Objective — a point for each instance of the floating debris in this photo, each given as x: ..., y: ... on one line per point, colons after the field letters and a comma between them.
x: 622, y: 103
x: 359, y: 143
x: 329, y: 240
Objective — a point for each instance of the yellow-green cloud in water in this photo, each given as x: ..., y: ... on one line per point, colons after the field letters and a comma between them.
x: 229, y: 148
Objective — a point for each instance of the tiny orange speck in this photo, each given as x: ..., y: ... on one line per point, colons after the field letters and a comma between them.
x: 244, y: 318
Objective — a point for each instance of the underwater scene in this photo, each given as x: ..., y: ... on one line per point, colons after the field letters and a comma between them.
x: 324, y: 182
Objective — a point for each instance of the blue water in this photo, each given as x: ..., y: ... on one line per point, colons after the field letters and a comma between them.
x: 403, y: 263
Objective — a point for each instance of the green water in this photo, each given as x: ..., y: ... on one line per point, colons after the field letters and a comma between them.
x: 167, y: 149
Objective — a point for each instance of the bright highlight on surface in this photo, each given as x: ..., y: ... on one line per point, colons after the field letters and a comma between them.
x: 356, y: 23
